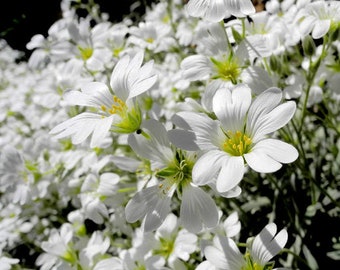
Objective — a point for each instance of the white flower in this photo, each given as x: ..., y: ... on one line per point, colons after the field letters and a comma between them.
x: 174, y: 243
x: 318, y: 18
x: 119, y: 112
x: 239, y: 135
x: 267, y: 244
x: 152, y: 204
x: 216, y: 61
x: 96, y: 245
x: 59, y: 243
x: 6, y: 263
x: 217, y: 10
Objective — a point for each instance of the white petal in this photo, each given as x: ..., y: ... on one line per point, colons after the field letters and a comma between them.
x: 197, y: 8
x: 196, y: 67
x: 247, y: 7
x: 136, y: 208
x: 101, y: 130
x: 232, y: 193
x: 231, y: 106
x: 207, y: 167
x: 266, y: 245
x: 231, y: 174
x: 257, y: 79
x: 274, y: 120
x: 79, y: 127
x: 155, y: 218
x: 226, y: 256
x: 216, y: 11
x: 216, y: 257
x: 278, y: 150
x: 99, y: 94
x: 143, y: 80
x: 262, y: 105
x: 261, y: 162
x: 75, y: 97
x: 183, y: 139
x: 306, y: 25
x: 240, y: 8
x: 118, y: 81
x: 321, y: 28
x: 208, y: 134
x: 197, y: 207
x: 156, y: 147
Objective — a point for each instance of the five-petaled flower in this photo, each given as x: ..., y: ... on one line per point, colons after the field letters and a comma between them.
x: 237, y: 137
x: 119, y: 112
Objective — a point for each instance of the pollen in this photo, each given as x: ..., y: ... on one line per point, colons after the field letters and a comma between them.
x: 237, y: 143
x: 118, y: 107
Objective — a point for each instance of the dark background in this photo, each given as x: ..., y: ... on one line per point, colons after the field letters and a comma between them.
x: 22, y: 19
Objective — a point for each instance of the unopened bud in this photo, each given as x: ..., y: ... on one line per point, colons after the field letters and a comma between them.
x: 237, y: 36
x: 308, y: 46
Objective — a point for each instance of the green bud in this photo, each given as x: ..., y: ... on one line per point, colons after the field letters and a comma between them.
x: 237, y: 36
x: 308, y: 46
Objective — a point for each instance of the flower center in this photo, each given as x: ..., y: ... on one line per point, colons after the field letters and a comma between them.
x: 227, y: 69
x: 118, y: 107
x: 85, y: 53
x: 237, y: 143
x: 178, y: 172
x: 251, y: 265
x: 167, y: 247
x: 130, y: 117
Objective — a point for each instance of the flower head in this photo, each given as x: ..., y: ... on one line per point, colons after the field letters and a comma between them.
x: 174, y: 168
x: 119, y: 111
x: 239, y: 135
x: 224, y: 254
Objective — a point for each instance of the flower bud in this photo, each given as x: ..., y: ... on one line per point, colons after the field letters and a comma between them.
x: 308, y: 46
x: 237, y: 36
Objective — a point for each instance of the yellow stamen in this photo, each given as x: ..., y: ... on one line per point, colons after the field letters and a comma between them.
x: 237, y: 143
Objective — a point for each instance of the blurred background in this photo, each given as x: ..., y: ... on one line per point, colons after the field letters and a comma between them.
x: 22, y: 19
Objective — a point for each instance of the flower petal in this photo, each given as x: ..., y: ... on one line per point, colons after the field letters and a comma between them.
x: 183, y: 139
x: 231, y: 174
x: 207, y: 131
x: 101, y: 130
x: 197, y: 207
x: 261, y: 162
x: 231, y: 106
x: 321, y: 28
x: 278, y: 150
x: 263, y: 104
x: 266, y: 245
x: 196, y: 67
x: 273, y: 120
x: 207, y: 167
x: 225, y: 255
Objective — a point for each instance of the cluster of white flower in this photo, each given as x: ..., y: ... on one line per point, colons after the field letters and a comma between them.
x: 125, y: 145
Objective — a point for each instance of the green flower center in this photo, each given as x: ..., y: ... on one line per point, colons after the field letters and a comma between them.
x: 85, y: 53
x: 130, y: 117
x: 237, y: 143
x: 167, y: 247
x: 251, y: 265
x: 179, y: 172
x: 227, y: 69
